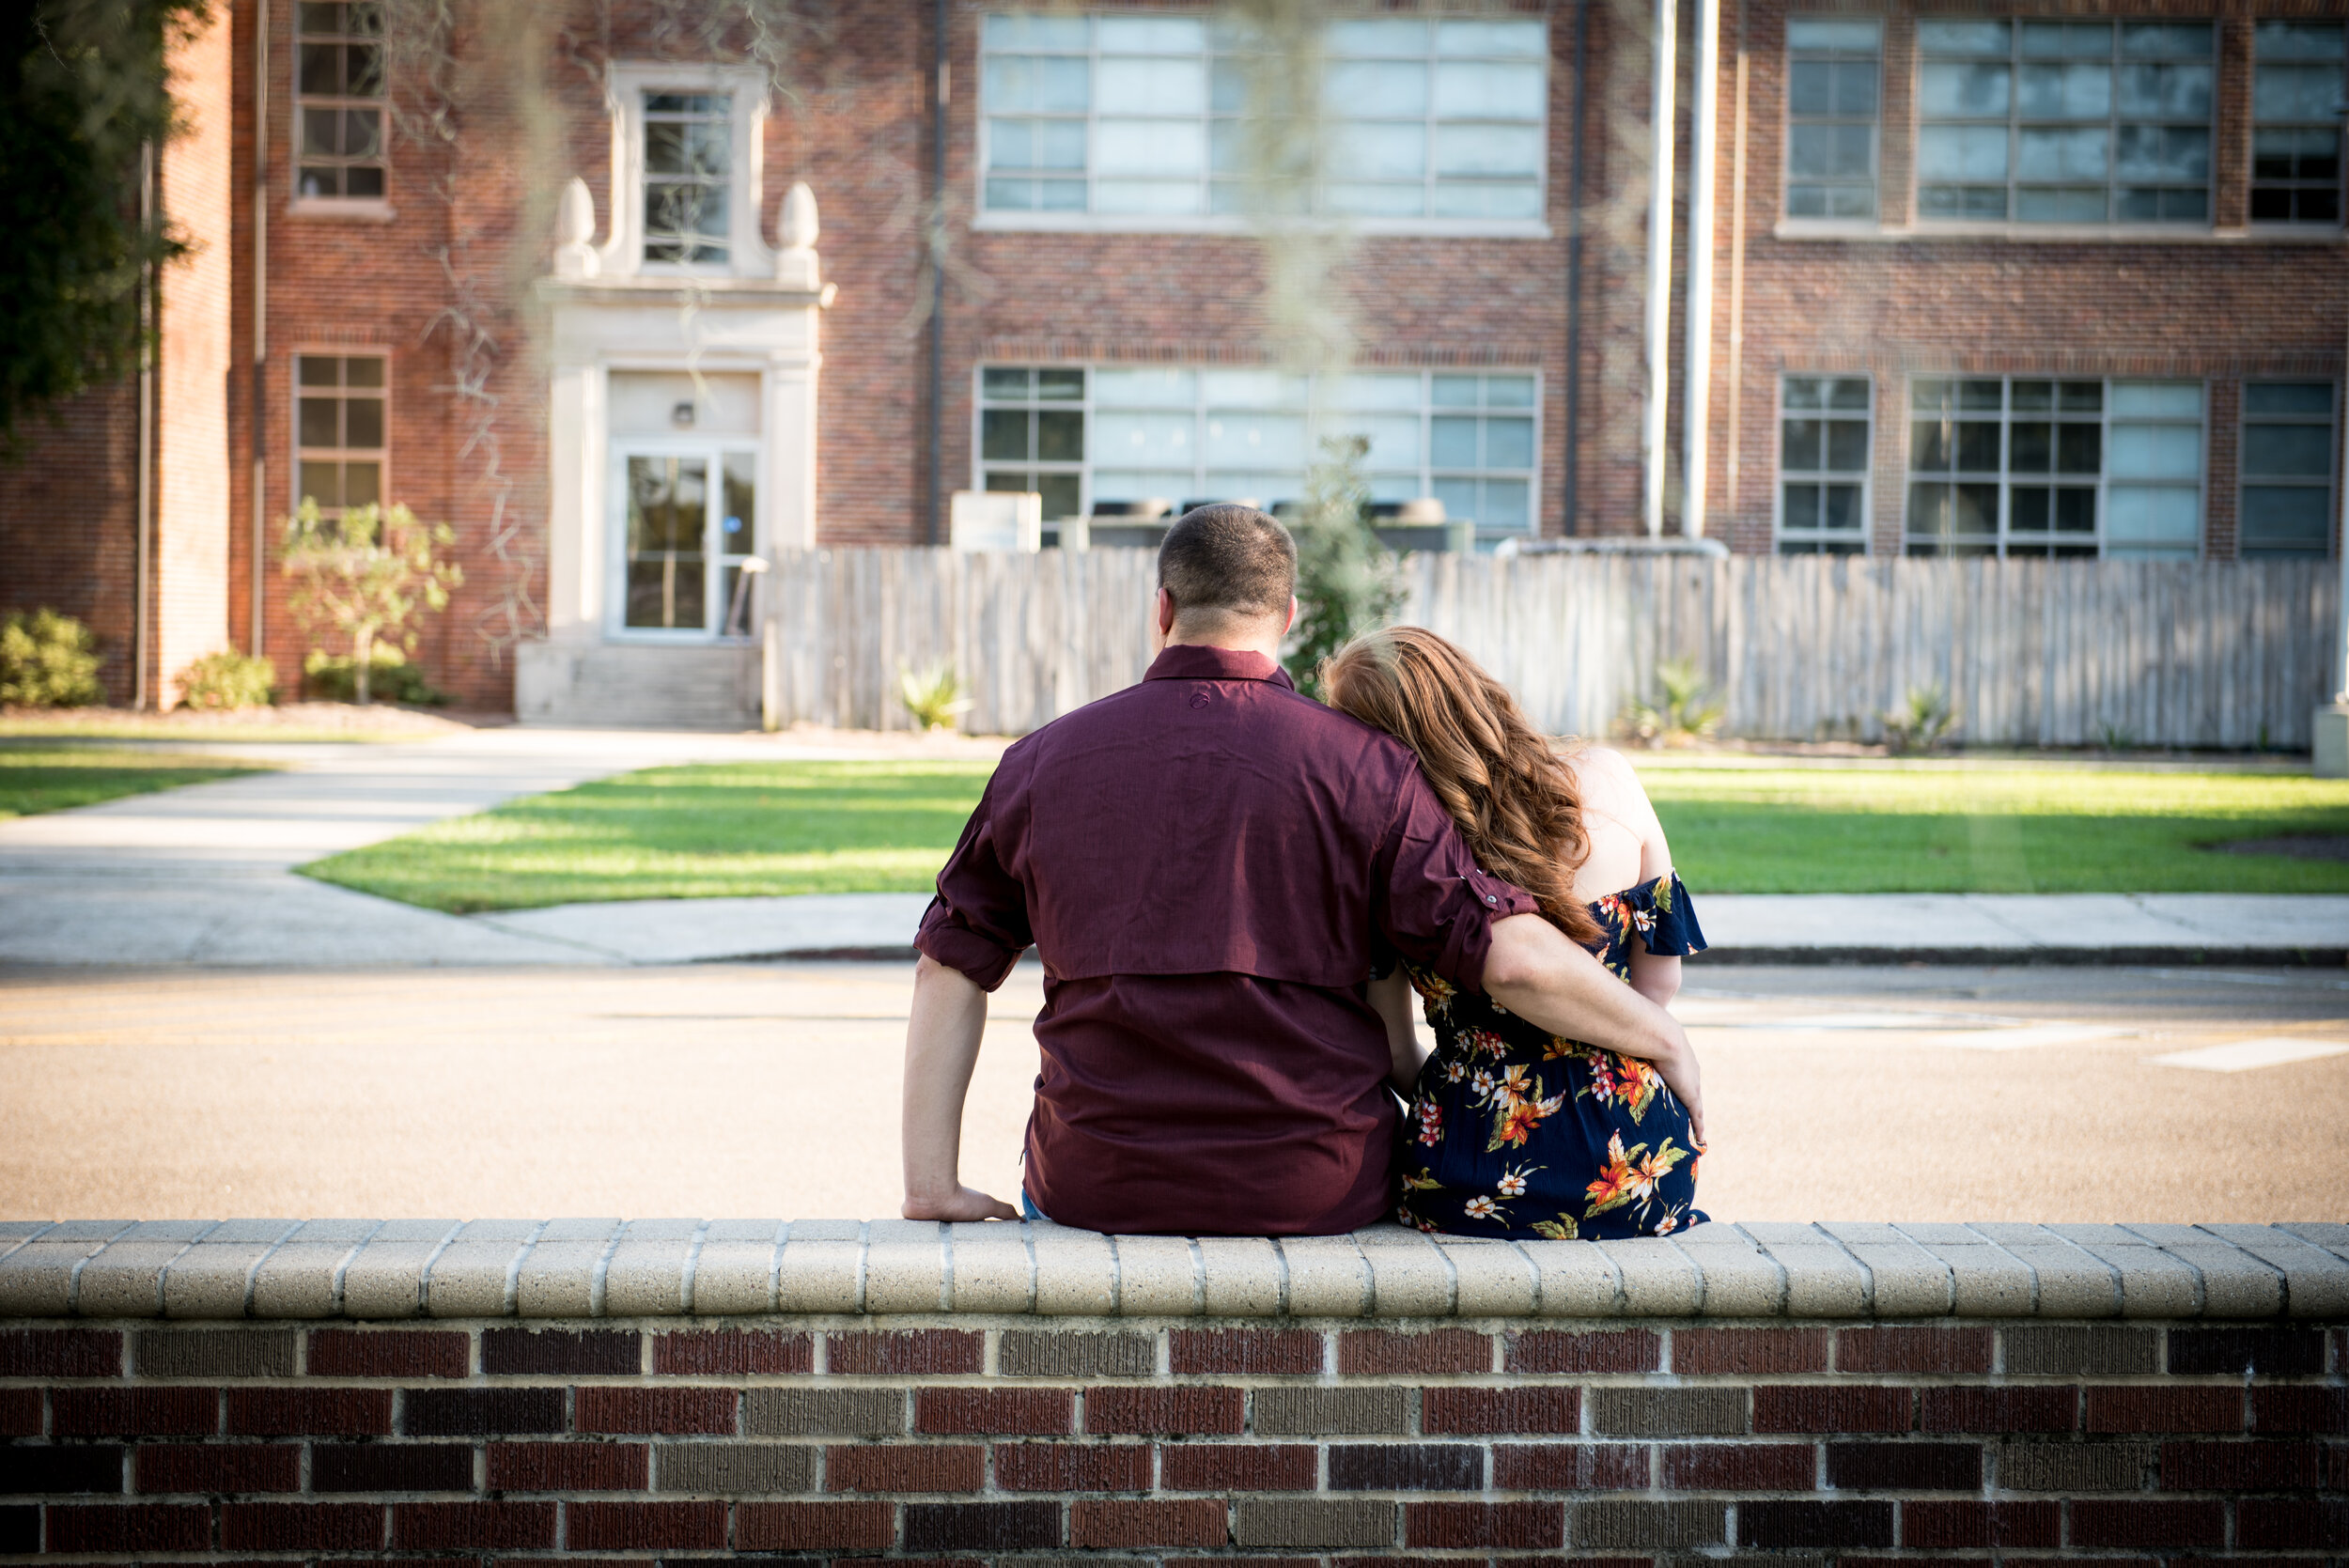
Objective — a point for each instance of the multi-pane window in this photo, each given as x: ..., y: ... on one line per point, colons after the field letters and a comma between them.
x: 2287, y: 504
x: 2054, y: 121
x: 1823, y: 465
x: 338, y: 430
x: 1141, y: 117
x: 1831, y: 117
x: 2295, y: 122
x: 338, y: 99
x: 689, y: 146
x: 2030, y: 466
x: 1092, y: 438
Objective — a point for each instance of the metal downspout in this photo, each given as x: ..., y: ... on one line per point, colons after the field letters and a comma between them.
x: 1703, y: 135
x: 260, y: 320
x: 1574, y: 272
x: 141, y: 619
x: 936, y: 240
x: 1653, y: 423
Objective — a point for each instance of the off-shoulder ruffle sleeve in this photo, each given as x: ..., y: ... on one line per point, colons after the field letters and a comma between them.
x: 1664, y: 918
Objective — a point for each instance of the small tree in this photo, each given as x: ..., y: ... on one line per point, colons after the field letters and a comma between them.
x: 1345, y: 578
x: 362, y: 575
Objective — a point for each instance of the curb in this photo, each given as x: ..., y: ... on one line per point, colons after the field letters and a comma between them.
x: 1797, y: 958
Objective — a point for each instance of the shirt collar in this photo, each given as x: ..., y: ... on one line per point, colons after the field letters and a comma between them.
x: 1195, y: 661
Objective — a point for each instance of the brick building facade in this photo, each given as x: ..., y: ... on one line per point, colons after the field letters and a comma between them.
x: 2046, y: 279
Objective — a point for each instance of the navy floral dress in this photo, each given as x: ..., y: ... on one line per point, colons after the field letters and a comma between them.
x: 1515, y: 1133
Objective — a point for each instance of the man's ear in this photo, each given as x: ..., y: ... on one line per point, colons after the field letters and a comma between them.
x: 1166, y: 612
x: 1290, y: 624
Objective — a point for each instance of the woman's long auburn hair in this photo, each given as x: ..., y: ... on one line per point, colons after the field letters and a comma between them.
x: 1515, y: 800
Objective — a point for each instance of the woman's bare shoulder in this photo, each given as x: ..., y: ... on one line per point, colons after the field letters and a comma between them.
x: 1610, y: 788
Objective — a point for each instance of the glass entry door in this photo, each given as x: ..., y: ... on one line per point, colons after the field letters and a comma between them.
x: 690, y: 520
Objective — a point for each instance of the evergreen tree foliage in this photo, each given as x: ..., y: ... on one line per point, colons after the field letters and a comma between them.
x: 1345, y: 578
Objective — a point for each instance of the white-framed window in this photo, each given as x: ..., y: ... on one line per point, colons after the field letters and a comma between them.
x: 2286, y: 506
x: 341, y: 430
x: 1093, y: 436
x: 1823, y: 442
x: 338, y: 101
x: 2035, y: 465
x: 1136, y: 120
x: 687, y: 165
x: 2295, y: 122
x: 2064, y: 121
x: 1831, y: 70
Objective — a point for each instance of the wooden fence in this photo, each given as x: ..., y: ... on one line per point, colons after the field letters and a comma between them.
x: 2032, y: 653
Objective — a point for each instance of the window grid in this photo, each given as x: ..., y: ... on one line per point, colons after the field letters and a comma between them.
x: 341, y: 430
x: 2039, y: 466
x: 1831, y: 106
x: 1066, y: 123
x: 2059, y: 122
x: 338, y: 99
x: 688, y: 169
x: 1825, y: 440
x: 1473, y: 439
x: 2286, y: 480
x: 2295, y: 122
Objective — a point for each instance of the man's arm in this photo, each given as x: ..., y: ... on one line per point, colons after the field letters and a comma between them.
x: 942, y: 1037
x: 1535, y: 973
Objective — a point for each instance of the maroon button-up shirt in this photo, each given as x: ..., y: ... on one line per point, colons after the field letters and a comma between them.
x: 1210, y: 865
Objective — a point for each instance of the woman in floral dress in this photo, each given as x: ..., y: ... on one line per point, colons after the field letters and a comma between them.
x: 1514, y: 1132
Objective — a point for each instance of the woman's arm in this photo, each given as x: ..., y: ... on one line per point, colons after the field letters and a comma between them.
x: 1396, y: 1007
x: 1611, y: 787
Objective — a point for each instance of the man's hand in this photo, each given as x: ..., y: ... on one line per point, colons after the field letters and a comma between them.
x: 949, y: 1017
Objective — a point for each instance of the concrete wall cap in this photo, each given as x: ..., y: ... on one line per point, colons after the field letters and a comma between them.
x: 575, y: 1269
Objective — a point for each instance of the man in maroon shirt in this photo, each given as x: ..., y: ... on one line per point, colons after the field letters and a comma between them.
x: 1210, y: 866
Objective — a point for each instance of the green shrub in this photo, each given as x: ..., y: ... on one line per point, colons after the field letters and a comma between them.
x: 228, y: 679
x: 1681, y: 712
x: 935, y: 696
x: 47, y: 660
x: 1346, y: 576
x: 361, y: 575
x: 333, y: 678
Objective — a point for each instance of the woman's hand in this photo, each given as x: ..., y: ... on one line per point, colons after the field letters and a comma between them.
x: 1681, y: 1076
x: 962, y: 1204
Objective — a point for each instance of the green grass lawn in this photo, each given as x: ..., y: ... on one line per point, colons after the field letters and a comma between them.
x: 34, y: 781
x: 749, y: 828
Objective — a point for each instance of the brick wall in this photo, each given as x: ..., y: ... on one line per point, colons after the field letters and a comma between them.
x: 1293, y: 1440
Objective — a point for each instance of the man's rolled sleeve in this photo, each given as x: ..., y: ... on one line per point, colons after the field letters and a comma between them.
x: 1439, y: 905
x: 978, y: 921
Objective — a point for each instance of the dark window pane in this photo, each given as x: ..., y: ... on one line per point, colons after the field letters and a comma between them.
x: 1799, y: 445
x: 362, y: 70
x: 362, y: 179
x: 321, y: 69
x: 2026, y: 509
x: 1060, y: 494
x: 1848, y: 393
x: 322, y: 483
x: 1976, y: 446
x: 2288, y: 450
x: 1003, y: 433
x: 1842, y: 509
x: 1846, y: 445
x: 362, y: 371
x: 1976, y: 510
x: 1802, y: 392
x: 2030, y: 448
x: 321, y: 371
x: 2076, y: 511
x: 2033, y: 396
x: 1802, y: 505
x: 2079, y: 449
x: 1977, y: 396
x: 2309, y: 397
x: 2080, y: 396
x: 1067, y: 384
x: 1009, y: 479
x: 1060, y: 436
x: 2320, y: 207
x: 2271, y: 206
x: 362, y: 422
x: 318, y: 423
x: 313, y: 18
x: 362, y: 484
x: 1928, y: 447
x: 1856, y: 89
x: 2280, y: 520
x: 1811, y: 88
x: 1004, y: 383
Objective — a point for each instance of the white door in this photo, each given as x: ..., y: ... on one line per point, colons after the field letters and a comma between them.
x: 687, y: 519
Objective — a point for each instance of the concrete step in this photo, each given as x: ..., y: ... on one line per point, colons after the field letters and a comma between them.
x: 710, y: 685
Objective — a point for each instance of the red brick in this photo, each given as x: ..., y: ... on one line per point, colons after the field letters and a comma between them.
x: 707, y: 1411
x: 932, y: 1527
x: 1483, y: 1523
x: 1406, y: 1466
x: 1167, y: 1411
x: 1747, y: 1351
x: 636, y: 1526
x: 800, y: 1527
x: 2286, y: 1524
x: 1377, y: 1350
x: 568, y: 1466
x: 2163, y: 1526
x: 217, y: 1468
x: 1740, y: 1468
x: 2336, y: 1467
x: 2169, y: 1408
x: 19, y: 1529
x: 499, y: 1526
x: 1043, y: 1412
x: 1570, y: 1467
x: 148, y: 1526
x: 1100, y: 1522
x: 2263, y: 1352
x: 1470, y: 1410
x: 294, y: 1526
x: 562, y: 1352
x: 133, y: 1412
x: 1913, y: 1350
x: 732, y: 1352
x: 60, y: 1353
x: 481, y: 1412
x: 2032, y: 1409
x: 1904, y: 1467
x: 1236, y: 1468
x: 905, y: 1351
x: 1076, y: 1468
x: 1814, y: 1524
x: 1981, y: 1524
x: 1543, y: 1350
x: 1812, y: 1407
x: 299, y: 1412
x: 903, y: 1467
x: 28, y: 1471
x: 1254, y: 1351
x: 391, y: 1468
x: 387, y: 1353
x: 20, y: 1412
x: 2299, y: 1409
x: 2251, y: 1467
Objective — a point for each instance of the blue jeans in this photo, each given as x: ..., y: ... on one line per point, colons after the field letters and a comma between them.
x: 1027, y: 1205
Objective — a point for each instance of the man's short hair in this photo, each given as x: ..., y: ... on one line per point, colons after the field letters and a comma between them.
x: 1228, y: 559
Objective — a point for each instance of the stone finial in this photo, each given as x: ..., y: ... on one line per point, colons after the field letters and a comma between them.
x: 574, y: 232
x: 795, y: 257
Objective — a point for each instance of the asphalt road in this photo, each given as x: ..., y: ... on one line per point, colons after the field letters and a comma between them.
x: 748, y: 1090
